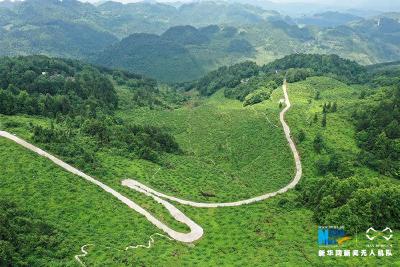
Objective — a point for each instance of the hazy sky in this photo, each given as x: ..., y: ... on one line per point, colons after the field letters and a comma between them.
x: 388, y: 5
x: 330, y: 2
x: 360, y: 4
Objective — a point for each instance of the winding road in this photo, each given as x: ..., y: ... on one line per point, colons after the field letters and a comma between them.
x: 196, y: 231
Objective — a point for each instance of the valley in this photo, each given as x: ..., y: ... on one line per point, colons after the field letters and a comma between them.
x: 181, y: 44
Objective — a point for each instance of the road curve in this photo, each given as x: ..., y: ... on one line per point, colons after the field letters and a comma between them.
x: 133, y: 184
x: 196, y: 232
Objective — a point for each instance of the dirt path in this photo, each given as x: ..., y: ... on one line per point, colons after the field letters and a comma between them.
x: 196, y: 232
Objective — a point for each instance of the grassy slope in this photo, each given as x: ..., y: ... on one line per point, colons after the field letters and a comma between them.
x: 82, y: 212
x: 230, y: 151
x: 273, y: 232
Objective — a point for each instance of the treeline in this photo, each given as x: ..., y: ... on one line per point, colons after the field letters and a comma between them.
x: 38, y: 85
x: 26, y: 238
x: 78, y: 139
x: 328, y: 65
x: 378, y: 133
x: 385, y: 74
x: 245, y: 87
x: 228, y: 77
x: 243, y: 81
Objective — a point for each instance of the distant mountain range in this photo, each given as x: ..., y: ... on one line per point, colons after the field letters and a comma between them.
x: 156, y: 39
x: 327, y: 19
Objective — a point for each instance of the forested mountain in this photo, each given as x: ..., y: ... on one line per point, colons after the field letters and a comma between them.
x: 196, y: 37
x: 152, y: 55
x: 241, y: 80
x: 182, y: 53
x: 124, y: 19
x: 52, y: 27
x: 207, y: 48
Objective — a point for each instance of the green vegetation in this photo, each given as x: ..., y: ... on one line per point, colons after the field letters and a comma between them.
x: 25, y: 239
x: 81, y: 213
x: 349, y: 193
x: 328, y: 19
x: 182, y: 43
x: 223, y: 144
x: 328, y: 65
x: 378, y: 133
x: 252, y: 84
x: 39, y: 85
x: 151, y: 55
x: 240, y: 46
x: 229, y: 77
x: 355, y: 202
x: 77, y: 140
x: 216, y: 164
x: 257, y: 97
x: 251, y: 87
x: 82, y: 99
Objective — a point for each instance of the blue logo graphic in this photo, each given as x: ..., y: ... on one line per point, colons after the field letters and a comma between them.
x: 331, y: 235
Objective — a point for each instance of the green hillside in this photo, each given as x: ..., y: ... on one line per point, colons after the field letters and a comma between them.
x: 209, y: 146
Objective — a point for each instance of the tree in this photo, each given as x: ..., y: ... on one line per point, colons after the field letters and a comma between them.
x: 301, y: 136
x: 334, y: 107
x: 61, y: 89
x: 318, y: 143
x: 325, y: 108
x: 356, y: 202
x: 317, y: 95
x: 315, y: 119
x: 323, y: 122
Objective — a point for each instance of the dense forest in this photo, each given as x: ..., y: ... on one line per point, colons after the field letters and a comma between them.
x: 38, y: 85
x: 228, y: 77
x: 378, y: 133
x: 161, y: 57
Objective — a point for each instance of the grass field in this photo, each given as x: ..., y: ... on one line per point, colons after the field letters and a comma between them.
x: 231, y: 152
